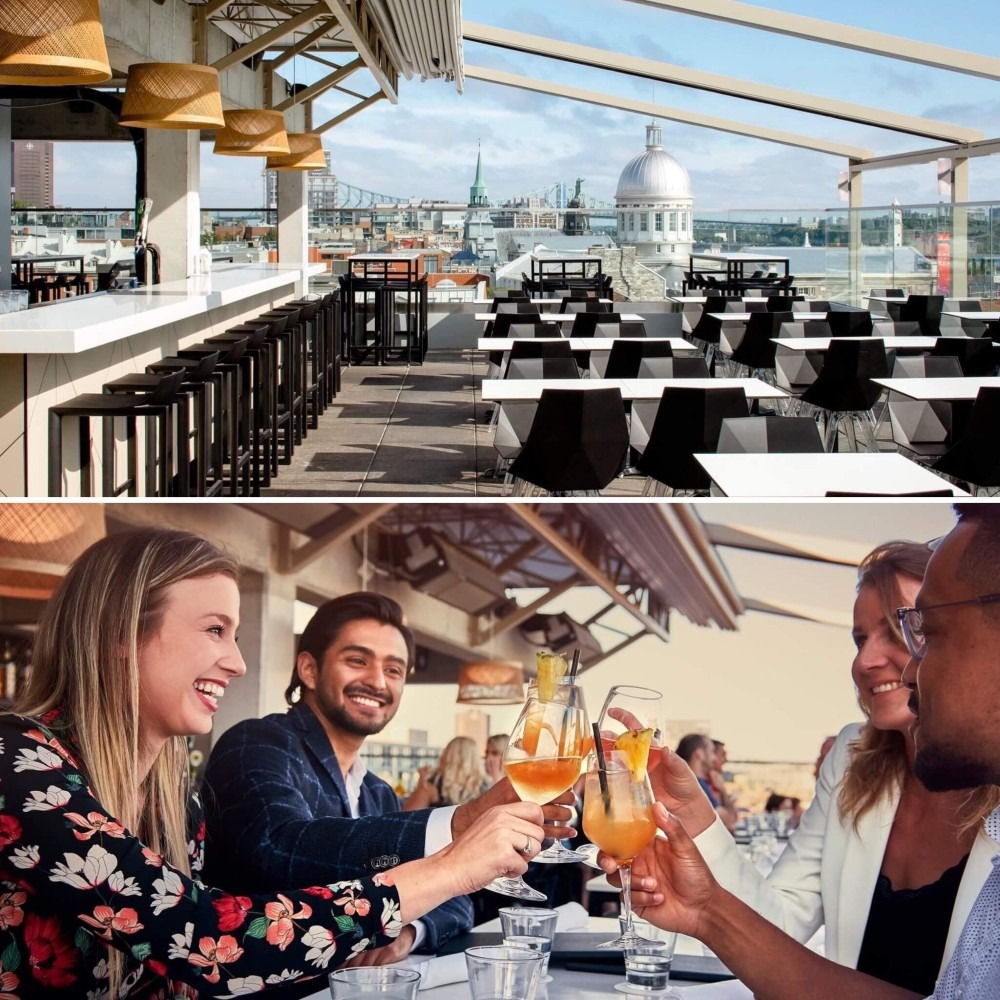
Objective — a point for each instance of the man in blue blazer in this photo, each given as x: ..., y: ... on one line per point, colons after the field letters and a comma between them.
x: 288, y: 801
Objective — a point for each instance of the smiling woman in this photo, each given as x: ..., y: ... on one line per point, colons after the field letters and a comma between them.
x: 100, y: 844
x: 890, y: 868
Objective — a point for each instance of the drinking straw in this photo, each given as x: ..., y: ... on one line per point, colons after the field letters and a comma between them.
x: 602, y: 765
x: 575, y: 665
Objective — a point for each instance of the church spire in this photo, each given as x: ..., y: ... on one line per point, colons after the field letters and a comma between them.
x: 477, y: 193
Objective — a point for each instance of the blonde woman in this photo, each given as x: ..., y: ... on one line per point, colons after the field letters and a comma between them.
x: 889, y: 867
x: 100, y: 843
x: 458, y: 777
x: 493, y: 757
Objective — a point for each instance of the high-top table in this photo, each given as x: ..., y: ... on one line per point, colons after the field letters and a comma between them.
x: 815, y: 475
x: 51, y: 353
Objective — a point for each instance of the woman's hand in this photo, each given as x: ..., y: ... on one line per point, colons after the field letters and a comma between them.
x: 499, y: 842
x: 425, y: 793
x: 675, y: 785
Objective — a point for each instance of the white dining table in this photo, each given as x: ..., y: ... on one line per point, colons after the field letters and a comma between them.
x: 744, y: 317
x: 579, y: 984
x: 903, y: 343
x: 537, y: 302
x: 677, y: 344
x: 984, y: 317
x: 956, y: 388
x: 816, y: 474
x: 529, y: 389
x: 558, y: 317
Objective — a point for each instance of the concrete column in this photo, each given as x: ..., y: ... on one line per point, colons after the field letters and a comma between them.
x: 173, y: 178
x: 6, y: 180
x: 854, y: 255
x: 960, y: 228
x: 293, y: 220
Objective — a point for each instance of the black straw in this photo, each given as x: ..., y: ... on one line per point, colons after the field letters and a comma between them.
x: 575, y: 665
x: 602, y: 766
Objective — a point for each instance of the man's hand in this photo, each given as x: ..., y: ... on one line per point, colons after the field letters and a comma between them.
x: 389, y: 953
x: 687, y: 886
x: 675, y: 785
x: 557, y: 813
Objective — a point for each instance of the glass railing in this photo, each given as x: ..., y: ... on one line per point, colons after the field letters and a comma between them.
x: 936, y: 249
x: 942, y: 249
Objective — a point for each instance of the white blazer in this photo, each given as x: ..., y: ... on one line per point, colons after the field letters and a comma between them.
x: 827, y: 872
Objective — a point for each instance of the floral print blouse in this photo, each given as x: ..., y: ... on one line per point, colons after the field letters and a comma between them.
x: 74, y: 882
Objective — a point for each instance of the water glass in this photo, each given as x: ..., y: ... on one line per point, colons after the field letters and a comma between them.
x: 498, y: 972
x: 530, y: 927
x: 647, y: 965
x: 374, y: 981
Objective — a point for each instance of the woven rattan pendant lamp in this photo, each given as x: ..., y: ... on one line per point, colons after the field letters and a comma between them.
x: 52, y: 43
x: 172, y: 95
x: 305, y: 152
x: 252, y: 133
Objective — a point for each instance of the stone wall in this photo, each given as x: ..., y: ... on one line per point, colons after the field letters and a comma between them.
x: 631, y: 280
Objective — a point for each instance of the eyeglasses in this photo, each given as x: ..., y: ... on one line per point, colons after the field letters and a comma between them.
x: 911, y: 622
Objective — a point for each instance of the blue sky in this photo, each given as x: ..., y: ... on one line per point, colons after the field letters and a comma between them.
x: 425, y: 146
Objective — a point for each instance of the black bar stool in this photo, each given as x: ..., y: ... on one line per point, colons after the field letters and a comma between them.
x: 155, y: 408
x: 282, y: 333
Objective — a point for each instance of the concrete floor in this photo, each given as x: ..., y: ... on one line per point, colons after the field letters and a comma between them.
x: 400, y: 430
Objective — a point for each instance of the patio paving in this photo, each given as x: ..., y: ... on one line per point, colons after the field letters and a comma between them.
x: 399, y: 430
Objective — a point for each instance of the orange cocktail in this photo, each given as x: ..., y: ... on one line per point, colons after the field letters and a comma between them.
x: 542, y: 779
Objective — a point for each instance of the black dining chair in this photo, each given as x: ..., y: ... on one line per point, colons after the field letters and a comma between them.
x: 639, y: 359
x: 769, y: 435
x: 687, y: 422
x: 578, y: 443
x: 844, y: 390
x: 974, y: 459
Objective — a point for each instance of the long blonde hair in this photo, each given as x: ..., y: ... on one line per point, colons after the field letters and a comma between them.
x: 460, y: 771
x: 878, y: 763
x: 85, y: 662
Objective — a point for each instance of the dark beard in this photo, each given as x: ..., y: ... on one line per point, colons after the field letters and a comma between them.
x: 940, y: 770
x: 340, y: 717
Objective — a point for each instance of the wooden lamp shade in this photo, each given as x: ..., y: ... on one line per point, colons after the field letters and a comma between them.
x: 490, y: 682
x: 252, y: 133
x: 39, y: 541
x: 172, y: 95
x: 305, y: 152
x: 52, y: 43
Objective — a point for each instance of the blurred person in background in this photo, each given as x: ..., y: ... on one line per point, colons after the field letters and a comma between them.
x: 825, y: 747
x: 493, y: 757
x: 698, y: 751
x: 459, y: 777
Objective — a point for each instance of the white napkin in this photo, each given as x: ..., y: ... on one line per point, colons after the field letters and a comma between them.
x: 572, y: 917
x: 730, y: 989
x: 437, y: 971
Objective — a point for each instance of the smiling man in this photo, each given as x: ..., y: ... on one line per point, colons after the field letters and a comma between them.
x: 289, y: 802
x: 953, y: 674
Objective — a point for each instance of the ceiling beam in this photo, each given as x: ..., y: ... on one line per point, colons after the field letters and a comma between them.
x: 987, y: 147
x: 660, y: 111
x: 584, y: 566
x: 830, y: 33
x: 368, y: 45
x: 321, y: 86
x: 291, y: 559
x: 350, y: 112
x: 262, y: 42
x: 500, y: 625
x: 624, y: 644
x: 649, y: 69
x: 290, y: 51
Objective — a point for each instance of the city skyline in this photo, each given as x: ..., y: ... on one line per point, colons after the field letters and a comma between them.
x: 425, y: 147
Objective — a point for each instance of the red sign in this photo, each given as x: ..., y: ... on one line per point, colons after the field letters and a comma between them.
x: 944, y: 264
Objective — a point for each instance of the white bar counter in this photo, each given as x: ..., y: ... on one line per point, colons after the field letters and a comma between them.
x: 51, y: 353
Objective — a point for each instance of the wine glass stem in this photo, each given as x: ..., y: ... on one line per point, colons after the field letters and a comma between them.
x: 626, y: 877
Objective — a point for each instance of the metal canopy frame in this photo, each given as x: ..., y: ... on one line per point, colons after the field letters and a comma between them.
x: 550, y: 547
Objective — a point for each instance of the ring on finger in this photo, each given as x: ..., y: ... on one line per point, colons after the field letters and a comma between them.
x: 529, y: 846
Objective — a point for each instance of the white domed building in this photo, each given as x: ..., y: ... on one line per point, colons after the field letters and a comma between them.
x: 655, y: 203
